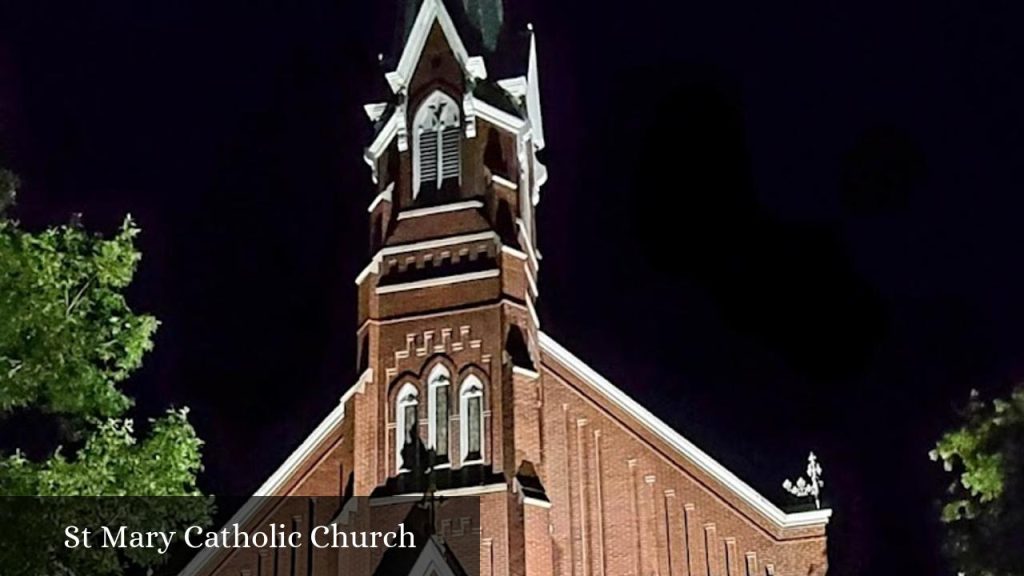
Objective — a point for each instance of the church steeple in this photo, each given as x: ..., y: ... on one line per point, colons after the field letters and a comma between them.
x: 447, y: 313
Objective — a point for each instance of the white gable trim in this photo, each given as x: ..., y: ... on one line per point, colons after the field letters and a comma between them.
x: 432, y: 560
x: 688, y: 449
x: 430, y: 11
x: 283, y: 473
x: 499, y: 117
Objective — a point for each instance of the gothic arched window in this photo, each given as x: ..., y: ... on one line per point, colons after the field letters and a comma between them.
x: 436, y: 142
x: 405, y: 421
x: 471, y: 420
x: 437, y: 404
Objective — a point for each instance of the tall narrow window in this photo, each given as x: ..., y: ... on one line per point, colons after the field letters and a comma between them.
x: 471, y: 419
x: 438, y: 380
x: 436, y: 145
x: 405, y: 424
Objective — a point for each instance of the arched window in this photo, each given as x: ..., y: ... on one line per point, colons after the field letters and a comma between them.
x: 405, y: 422
x: 437, y: 404
x: 471, y: 420
x: 436, y: 142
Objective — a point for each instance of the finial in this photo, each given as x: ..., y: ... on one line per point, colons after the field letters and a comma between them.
x: 808, y: 488
x: 529, y: 26
x: 380, y: 56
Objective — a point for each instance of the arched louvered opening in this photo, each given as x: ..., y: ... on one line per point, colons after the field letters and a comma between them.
x: 437, y: 144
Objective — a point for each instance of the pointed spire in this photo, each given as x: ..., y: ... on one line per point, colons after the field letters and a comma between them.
x: 486, y: 16
x: 533, y: 93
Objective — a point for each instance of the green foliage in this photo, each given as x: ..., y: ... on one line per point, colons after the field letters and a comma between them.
x: 68, y: 340
x: 983, y: 509
x: 67, y: 336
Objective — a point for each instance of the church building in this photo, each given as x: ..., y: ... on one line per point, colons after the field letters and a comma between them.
x: 462, y: 393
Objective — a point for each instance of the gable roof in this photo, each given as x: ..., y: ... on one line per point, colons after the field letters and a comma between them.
x: 680, y: 444
x: 432, y: 11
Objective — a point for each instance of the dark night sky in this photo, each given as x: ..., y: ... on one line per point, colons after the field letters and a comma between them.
x: 782, y: 226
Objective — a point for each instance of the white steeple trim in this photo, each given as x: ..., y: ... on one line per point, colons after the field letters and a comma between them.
x: 516, y: 87
x: 499, y: 117
x: 385, y: 194
x: 430, y: 11
x: 533, y: 94
x: 375, y: 111
x: 686, y: 448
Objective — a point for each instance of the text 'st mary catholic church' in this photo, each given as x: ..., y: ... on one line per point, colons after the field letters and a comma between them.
x: 573, y: 477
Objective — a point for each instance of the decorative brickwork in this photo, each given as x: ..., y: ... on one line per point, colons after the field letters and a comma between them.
x: 574, y: 478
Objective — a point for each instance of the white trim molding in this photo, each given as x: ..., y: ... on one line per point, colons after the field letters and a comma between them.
x: 446, y: 493
x: 373, y: 267
x: 440, y: 209
x: 504, y: 182
x: 385, y: 194
x: 683, y: 446
x: 438, y: 243
x: 277, y: 480
x: 443, y: 281
x: 431, y: 11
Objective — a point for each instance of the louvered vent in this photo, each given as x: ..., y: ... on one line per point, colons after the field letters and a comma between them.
x: 436, y: 147
x: 450, y: 153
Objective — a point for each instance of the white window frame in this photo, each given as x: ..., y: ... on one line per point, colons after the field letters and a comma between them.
x: 471, y: 387
x: 407, y: 396
x: 439, y: 376
x: 437, y: 113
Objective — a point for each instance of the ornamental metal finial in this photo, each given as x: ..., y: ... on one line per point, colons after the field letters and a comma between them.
x: 808, y: 488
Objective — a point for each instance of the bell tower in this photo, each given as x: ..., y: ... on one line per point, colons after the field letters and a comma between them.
x: 447, y: 324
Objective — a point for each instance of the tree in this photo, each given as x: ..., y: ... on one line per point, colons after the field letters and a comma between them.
x: 68, y: 340
x: 983, y: 509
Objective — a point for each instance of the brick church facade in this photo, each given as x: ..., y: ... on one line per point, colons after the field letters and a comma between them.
x: 573, y: 477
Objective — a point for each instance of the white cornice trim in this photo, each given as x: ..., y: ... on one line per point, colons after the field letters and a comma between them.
x: 443, y: 281
x: 476, y: 67
x: 385, y: 194
x: 504, y: 182
x: 689, y: 450
x: 533, y: 312
x: 527, y: 500
x: 514, y: 86
x: 499, y: 117
x: 374, y: 266
x: 453, y: 207
x: 524, y: 240
x: 514, y: 252
x: 438, y: 243
x: 283, y: 473
x: 532, y: 281
x: 375, y: 111
x: 532, y: 374
x: 383, y: 139
x: 447, y: 493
